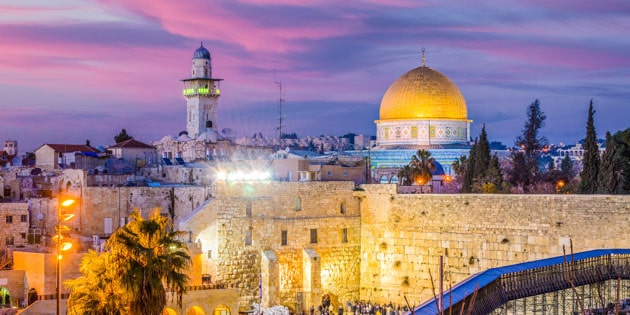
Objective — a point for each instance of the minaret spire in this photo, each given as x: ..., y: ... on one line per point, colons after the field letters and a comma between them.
x: 423, y: 59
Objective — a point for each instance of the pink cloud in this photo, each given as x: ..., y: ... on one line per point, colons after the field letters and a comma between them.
x: 202, y: 19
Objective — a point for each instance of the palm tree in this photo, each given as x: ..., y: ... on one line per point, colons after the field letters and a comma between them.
x: 96, y: 292
x: 419, y: 170
x: 423, y: 165
x: 405, y: 175
x: 151, y: 261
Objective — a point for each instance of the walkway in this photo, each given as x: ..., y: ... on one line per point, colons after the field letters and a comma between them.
x: 495, y: 287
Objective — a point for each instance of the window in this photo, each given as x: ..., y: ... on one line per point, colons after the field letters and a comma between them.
x: 345, y: 173
x: 9, y: 219
x: 342, y: 208
x: 24, y: 218
x: 9, y: 240
x: 284, y: 237
x: 298, y: 204
x: 23, y: 236
x: 248, y: 236
x: 313, y: 236
x: 209, y: 253
x: 107, y: 226
x: 329, y: 173
x: 344, y: 235
x: 248, y: 209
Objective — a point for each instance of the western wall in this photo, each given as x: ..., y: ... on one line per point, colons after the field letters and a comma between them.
x: 393, y: 240
x: 403, y: 236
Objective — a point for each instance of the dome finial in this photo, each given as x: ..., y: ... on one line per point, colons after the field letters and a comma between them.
x: 423, y: 56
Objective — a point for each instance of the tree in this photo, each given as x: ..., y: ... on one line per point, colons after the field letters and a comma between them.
x: 459, y: 166
x: 590, y: 161
x: 468, y: 170
x: 122, y: 136
x: 145, y: 260
x: 419, y: 170
x: 566, y: 167
x: 151, y: 260
x: 609, y: 177
x: 292, y: 135
x: 525, y: 170
x: 405, y: 175
x: 622, y: 143
x: 530, y: 141
x: 493, y: 176
x: 482, y: 155
x: 96, y: 292
x: 482, y: 172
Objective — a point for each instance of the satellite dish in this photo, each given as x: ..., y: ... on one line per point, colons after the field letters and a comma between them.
x: 287, y: 149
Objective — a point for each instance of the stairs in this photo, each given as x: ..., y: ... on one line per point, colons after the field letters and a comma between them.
x: 6, y: 259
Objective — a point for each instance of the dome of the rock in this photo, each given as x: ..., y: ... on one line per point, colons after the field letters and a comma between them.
x: 423, y: 93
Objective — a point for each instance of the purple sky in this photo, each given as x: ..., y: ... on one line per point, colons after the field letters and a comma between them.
x: 72, y: 70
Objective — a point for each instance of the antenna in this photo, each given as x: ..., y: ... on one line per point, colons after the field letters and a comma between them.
x: 280, y: 100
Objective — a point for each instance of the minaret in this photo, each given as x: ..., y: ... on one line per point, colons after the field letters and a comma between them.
x: 201, y: 92
x: 11, y: 147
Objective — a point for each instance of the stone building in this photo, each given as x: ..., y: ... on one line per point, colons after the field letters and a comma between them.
x: 14, y: 224
x: 55, y: 156
x: 134, y: 150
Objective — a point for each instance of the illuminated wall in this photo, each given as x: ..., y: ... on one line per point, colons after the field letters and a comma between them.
x: 403, y: 235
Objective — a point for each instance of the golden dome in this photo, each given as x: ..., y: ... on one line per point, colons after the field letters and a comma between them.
x: 423, y: 93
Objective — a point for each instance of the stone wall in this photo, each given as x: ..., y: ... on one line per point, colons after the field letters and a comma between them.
x: 13, y: 280
x: 260, y: 212
x: 41, y: 270
x: 403, y: 236
x: 12, y: 229
x: 98, y: 203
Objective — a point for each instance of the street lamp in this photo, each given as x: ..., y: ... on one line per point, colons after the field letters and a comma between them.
x: 62, y: 246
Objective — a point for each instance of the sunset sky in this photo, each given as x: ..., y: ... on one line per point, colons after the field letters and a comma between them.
x: 72, y: 70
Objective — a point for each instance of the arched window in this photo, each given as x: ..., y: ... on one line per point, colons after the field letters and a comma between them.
x: 195, y: 310
x: 342, y: 208
x: 298, y: 204
x: 169, y: 311
x: 221, y: 310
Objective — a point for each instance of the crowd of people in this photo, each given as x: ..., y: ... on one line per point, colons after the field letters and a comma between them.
x: 360, y: 308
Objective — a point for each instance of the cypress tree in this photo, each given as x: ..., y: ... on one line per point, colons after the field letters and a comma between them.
x: 566, y: 167
x: 551, y: 166
x: 622, y: 143
x: 469, y: 170
x: 520, y: 172
x: 482, y: 156
x: 608, y: 178
x: 493, y: 173
x: 590, y: 161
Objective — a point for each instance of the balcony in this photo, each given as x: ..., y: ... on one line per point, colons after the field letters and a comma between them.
x: 202, y: 91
